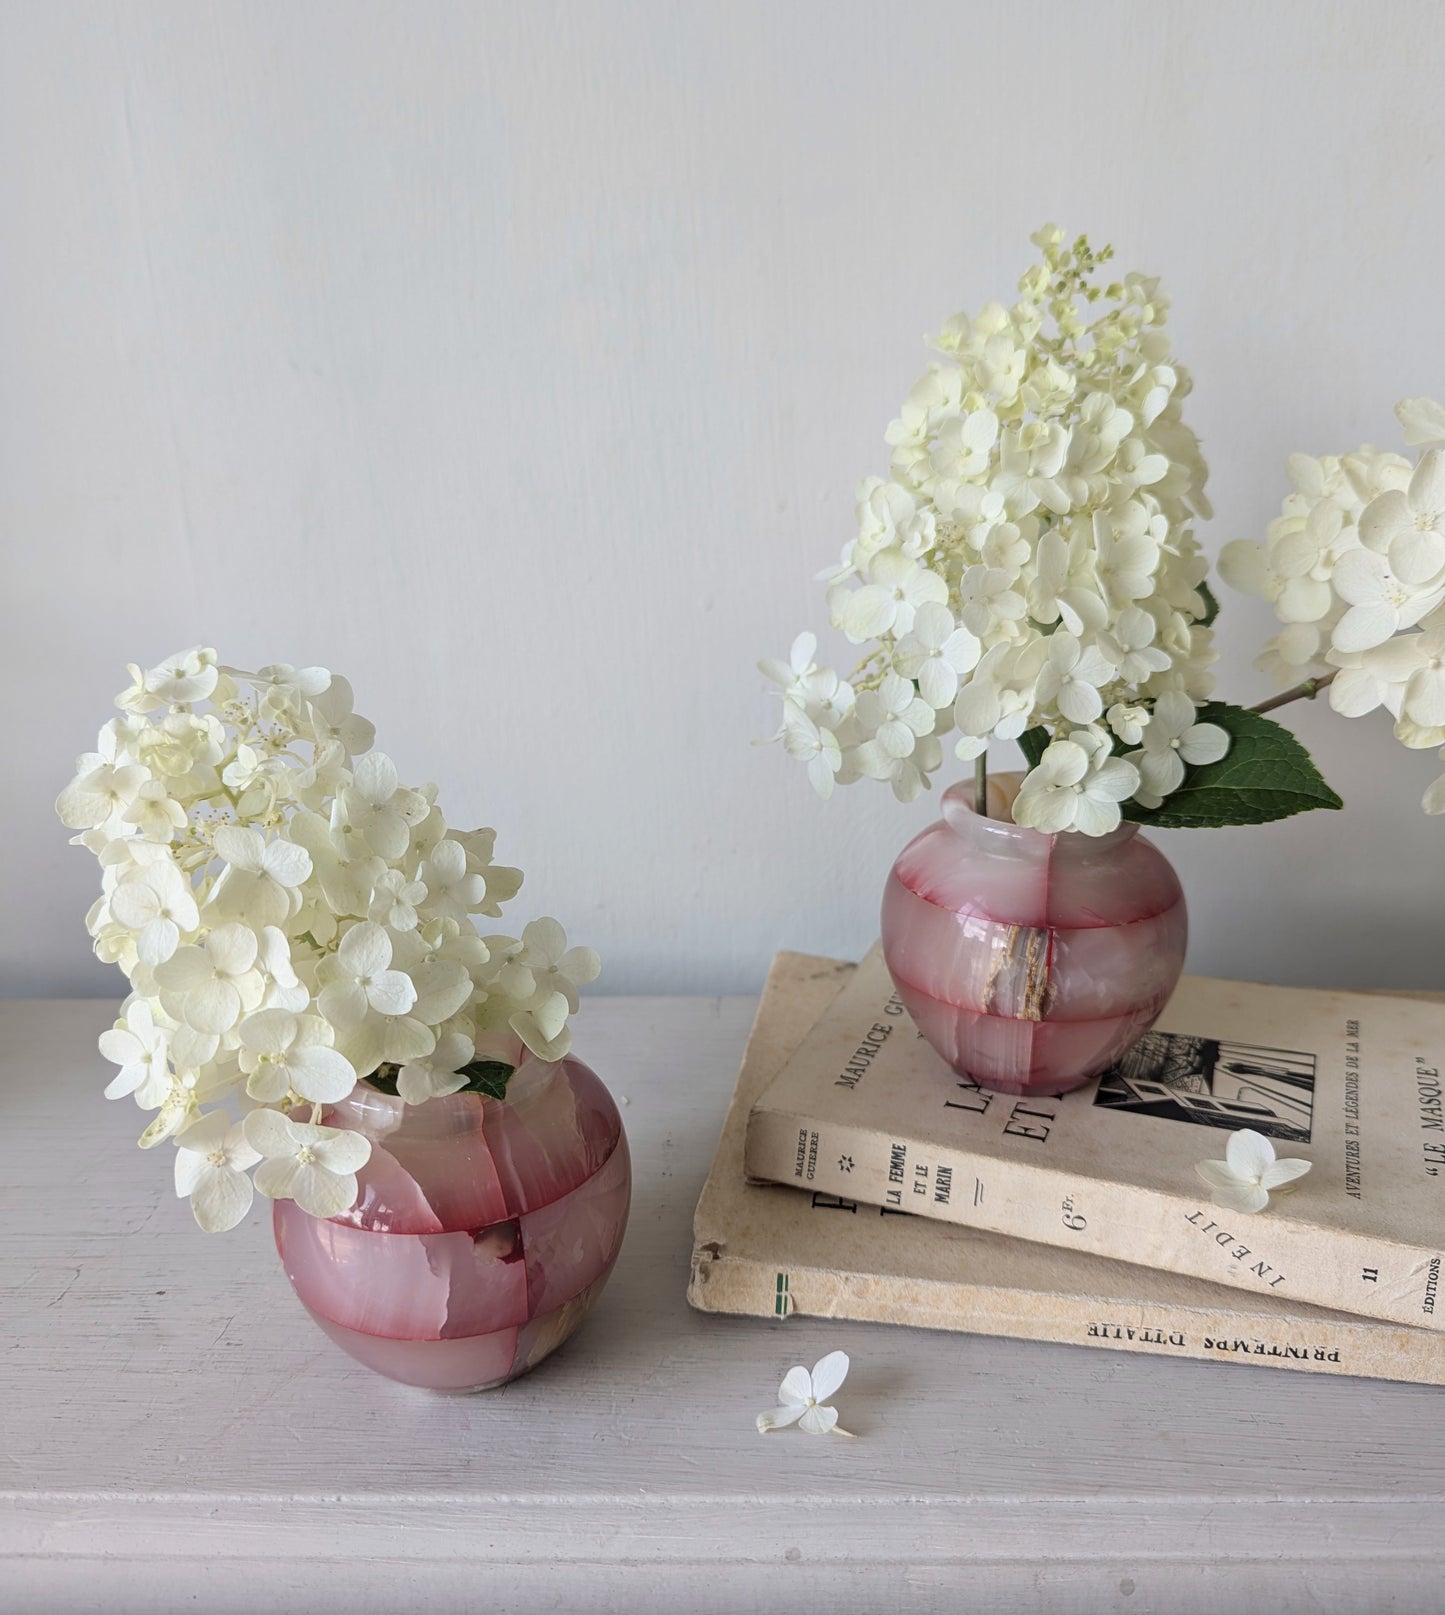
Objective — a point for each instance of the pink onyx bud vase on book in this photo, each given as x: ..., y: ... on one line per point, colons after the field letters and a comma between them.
x: 483, y: 1230
x: 1031, y: 962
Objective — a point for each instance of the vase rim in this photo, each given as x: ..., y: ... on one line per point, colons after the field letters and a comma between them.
x: 963, y: 818
x: 379, y: 1112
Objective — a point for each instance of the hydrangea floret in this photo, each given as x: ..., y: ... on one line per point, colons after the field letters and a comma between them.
x: 1028, y: 570
x: 293, y: 920
x: 1250, y: 1172
x: 1354, y: 566
x: 803, y: 1398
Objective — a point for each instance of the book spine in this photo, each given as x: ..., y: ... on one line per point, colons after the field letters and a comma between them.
x: 1269, y: 1255
x: 1319, y: 1345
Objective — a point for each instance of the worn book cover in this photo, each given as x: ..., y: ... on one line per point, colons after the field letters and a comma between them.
x: 865, y: 1110
x: 767, y: 1251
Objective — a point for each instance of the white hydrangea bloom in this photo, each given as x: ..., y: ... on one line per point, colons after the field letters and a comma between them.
x: 1077, y: 785
x: 803, y: 1397
x: 346, y: 872
x: 555, y: 972
x: 314, y: 1166
x: 138, y: 1047
x: 283, y: 1053
x: 155, y: 813
x: 99, y: 794
x: 1129, y: 648
x: 437, y: 1073
x: 1293, y: 568
x: 888, y: 602
x: 502, y: 880
x: 1380, y: 603
x: 282, y: 988
x: 1407, y: 525
x: 293, y: 919
x: 816, y: 746
x: 375, y: 807
x: 793, y: 676
x: 155, y: 900
x: 358, y: 978
x: 988, y: 599
x: 1421, y: 711
x: 210, y: 985
x: 1066, y: 582
x: 1128, y: 722
x: 1423, y: 421
x: 395, y: 899
x: 1171, y: 740
x: 894, y: 718
x: 1250, y: 1171
x: 212, y: 1159
x: 188, y: 676
x: 1031, y: 560
x: 450, y: 888
x: 1072, y: 676
x: 554, y: 965
x: 935, y: 653
x: 1354, y: 567
x: 262, y: 881
x: 1365, y: 680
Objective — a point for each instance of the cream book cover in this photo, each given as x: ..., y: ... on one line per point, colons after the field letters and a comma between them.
x: 865, y: 1110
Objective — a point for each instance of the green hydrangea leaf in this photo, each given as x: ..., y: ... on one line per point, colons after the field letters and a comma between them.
x: 489, y: 1077
x: 1211, y: 606
x: 1033, y: 743
x: 1265, y: 775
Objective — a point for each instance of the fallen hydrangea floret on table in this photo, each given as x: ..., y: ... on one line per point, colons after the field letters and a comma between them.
x: 801, y: 1397
x: 1242, y: 1181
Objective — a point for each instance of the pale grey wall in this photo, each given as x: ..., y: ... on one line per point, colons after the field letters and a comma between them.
x: 520, y: 361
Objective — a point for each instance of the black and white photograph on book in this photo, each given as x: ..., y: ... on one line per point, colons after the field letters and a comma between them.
x: 1214, y: 1084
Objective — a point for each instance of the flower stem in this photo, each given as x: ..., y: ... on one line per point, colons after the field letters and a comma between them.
x: 1301, y: 692
x: 980, y: 785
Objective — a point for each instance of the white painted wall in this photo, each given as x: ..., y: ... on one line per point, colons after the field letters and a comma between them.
x: 520, y: 360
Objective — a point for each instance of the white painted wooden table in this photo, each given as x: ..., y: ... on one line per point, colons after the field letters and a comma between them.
x: 175, y: 1433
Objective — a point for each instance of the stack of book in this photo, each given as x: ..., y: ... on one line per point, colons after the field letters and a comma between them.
x: 859, y: 1177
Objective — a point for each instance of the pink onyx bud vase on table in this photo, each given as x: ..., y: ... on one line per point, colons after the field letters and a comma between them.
x: 1031, y: 962
x: 483, y: 1230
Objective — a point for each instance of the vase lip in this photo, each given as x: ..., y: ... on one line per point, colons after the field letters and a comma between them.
x: 377, y: 1113
x: 960, y: 815
x: 371, y: 1111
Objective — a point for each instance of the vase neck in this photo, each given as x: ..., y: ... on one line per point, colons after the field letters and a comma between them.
x: 1001, y: 837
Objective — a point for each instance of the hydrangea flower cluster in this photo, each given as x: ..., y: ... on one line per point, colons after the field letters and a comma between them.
x: 293, y: 919
x: 1354, y: 566
x: 1028, y: 564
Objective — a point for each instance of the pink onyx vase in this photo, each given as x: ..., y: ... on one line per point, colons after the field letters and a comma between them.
x: 1031, y: 962
x: 483, y: 1231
